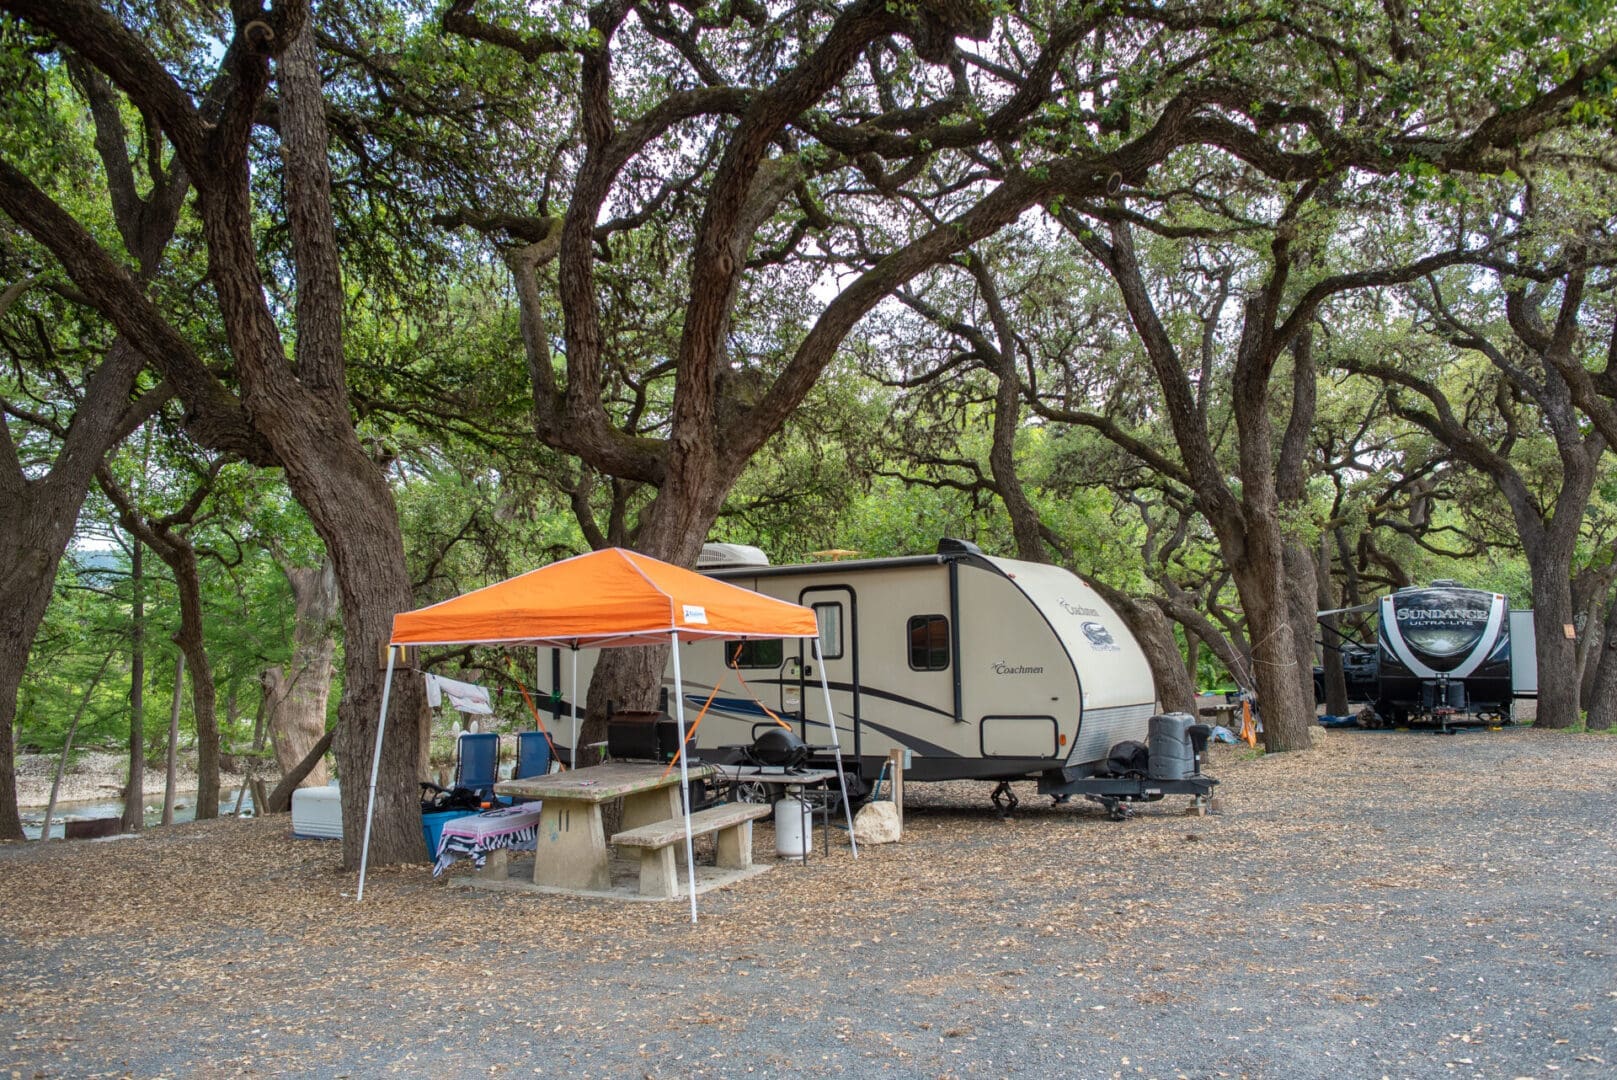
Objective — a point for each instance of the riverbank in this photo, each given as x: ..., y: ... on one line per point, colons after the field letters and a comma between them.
x: 98, y: 775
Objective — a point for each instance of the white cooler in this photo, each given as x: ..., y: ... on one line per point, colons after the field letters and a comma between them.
x: 317, y: 813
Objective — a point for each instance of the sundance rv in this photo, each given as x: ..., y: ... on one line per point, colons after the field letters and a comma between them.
x: 1444, y: 655
x: 981, y: 668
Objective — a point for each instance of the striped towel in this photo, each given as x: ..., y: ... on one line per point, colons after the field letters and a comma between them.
x: 474, y: 836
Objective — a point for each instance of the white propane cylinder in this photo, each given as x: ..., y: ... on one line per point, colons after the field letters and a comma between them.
x: 794, y: 828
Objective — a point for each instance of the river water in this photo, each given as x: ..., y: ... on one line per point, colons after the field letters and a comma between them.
x: 33, y: 818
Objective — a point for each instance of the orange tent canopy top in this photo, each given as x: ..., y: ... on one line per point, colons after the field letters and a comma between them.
x: 603, y: 599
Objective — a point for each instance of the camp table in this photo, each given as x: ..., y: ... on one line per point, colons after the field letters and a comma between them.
x: 796, y: 784
x: 570, y: 851
x: 487, y: 837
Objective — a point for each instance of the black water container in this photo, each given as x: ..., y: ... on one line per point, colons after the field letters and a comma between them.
x: 1172, y: 755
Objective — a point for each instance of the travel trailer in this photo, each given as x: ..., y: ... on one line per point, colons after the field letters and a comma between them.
x: 1444, y: 655
x: 976, y: 667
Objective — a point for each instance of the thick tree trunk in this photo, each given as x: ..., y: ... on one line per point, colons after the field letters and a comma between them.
x: 1591, y: 594
x: 13, y: 663
x: 359, y: 523
x: 1302, y: 585
x: 134, y: 816
x: 673, y: 529
x: 31, y: 544
x: 1260, y: 578
x: 1557, y: 651
x: 1602, y: 699
x: 298, y: 696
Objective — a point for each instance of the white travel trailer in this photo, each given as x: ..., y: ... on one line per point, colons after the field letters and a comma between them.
x: 982, y: 668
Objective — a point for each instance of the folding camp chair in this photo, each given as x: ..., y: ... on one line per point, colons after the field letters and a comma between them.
x: 533, y: 757
x: 479, y: 761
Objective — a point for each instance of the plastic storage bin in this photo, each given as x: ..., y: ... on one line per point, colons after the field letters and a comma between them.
x: 432, y: 827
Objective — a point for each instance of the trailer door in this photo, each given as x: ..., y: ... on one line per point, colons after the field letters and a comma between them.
x: 836, y: 613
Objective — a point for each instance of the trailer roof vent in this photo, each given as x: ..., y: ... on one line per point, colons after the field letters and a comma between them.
x: 724, y: 556
x: 950, y: 546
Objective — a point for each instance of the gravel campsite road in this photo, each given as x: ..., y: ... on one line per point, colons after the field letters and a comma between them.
x: 1391, y: 904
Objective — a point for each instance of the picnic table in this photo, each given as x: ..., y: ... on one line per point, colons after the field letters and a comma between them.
x: 570, y: 851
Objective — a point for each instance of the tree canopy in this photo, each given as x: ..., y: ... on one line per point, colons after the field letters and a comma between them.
x: 1232, y: 307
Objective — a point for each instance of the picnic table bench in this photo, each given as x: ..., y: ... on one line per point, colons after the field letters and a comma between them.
x: 571, y: 850
x: 658, y: 841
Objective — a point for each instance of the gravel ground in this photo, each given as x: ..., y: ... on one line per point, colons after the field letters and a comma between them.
x: 1391, y: 904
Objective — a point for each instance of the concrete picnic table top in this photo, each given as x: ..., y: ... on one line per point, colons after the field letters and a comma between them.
x: 600, y: 783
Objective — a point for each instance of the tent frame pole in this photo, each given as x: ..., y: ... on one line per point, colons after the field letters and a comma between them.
x: 684, y: 773
x: 376, y: 765
x: 836, y: 745
x: 573, y: 749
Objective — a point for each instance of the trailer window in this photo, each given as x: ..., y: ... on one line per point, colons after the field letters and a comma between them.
x: 754, y: 654
x: 830, y: 618
x: 929, y: 643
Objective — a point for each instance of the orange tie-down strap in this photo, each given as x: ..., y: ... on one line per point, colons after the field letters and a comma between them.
x: 735, y: 666
x: 536, y: 718
x: 691, y: 732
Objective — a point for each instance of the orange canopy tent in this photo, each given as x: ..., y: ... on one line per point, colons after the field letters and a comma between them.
x: 604, y: 599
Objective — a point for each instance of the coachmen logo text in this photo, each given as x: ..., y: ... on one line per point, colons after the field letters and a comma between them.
x: 1078, y: 609
x: 1002, y: 668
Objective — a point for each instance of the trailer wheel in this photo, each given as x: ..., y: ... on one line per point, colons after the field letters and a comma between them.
x: 751, y: 791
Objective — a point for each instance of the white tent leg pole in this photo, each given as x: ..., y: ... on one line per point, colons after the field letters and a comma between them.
x: 376, y: 764
x: 684, y: 774
x: 836, y: 747
x: 574, y: 750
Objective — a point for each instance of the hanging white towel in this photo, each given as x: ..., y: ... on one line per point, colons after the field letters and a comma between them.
x: 462, y: 696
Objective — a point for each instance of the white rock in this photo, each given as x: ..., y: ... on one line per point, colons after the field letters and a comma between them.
x: 877, y: 823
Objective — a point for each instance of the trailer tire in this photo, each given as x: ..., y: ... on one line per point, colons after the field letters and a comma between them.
x: 751, y: 791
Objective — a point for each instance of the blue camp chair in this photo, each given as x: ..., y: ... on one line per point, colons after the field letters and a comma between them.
x: 533, y: 755
x: 533, y: 758
x: 479, y: 761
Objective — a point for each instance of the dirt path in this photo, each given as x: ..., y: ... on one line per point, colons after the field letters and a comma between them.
x: 1393, y: 904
